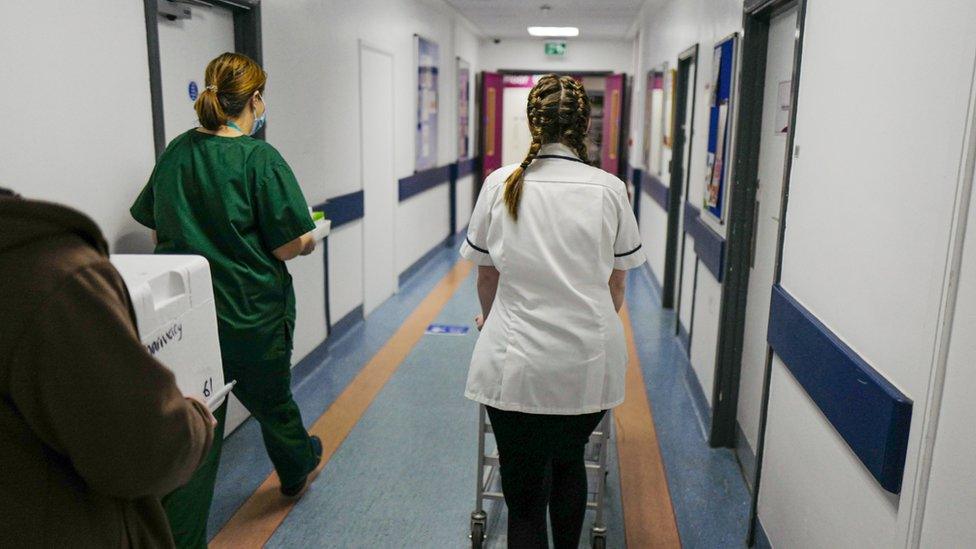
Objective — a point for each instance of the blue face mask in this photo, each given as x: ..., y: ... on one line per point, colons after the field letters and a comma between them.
x: 260, y: 122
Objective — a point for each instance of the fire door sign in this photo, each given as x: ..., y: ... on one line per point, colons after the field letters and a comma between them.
x: 555, y: 49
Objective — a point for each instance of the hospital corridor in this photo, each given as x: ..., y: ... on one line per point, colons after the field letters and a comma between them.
x: 520, y: 274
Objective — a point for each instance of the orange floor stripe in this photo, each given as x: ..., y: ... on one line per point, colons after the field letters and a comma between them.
x: 648, y: 515
x: 256, y: 521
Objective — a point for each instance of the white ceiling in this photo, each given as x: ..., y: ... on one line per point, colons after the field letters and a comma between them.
x: 599, y: 19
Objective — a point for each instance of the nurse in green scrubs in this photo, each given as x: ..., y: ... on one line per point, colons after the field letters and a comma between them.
x: 219, y: 193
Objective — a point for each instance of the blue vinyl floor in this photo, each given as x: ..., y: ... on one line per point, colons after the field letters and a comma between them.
x: 405, y: 475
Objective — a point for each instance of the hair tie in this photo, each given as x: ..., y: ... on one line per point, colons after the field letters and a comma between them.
x: 212, y: 87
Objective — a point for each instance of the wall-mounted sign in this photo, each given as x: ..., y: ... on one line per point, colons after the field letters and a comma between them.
x: 428, y: 58
x: 193, y: 91
x: 555, y: 49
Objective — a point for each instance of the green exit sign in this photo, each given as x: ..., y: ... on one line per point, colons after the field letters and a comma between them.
x: 556, y: 49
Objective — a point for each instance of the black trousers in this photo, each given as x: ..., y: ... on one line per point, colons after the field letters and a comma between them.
x: 542, y: 466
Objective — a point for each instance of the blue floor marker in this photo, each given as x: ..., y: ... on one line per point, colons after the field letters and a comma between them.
x: 447, y: 329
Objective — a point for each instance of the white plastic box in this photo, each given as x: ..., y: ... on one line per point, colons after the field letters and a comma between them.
x: 173, y: 299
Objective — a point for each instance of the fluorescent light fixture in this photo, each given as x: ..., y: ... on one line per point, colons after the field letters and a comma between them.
x: 554, y: 31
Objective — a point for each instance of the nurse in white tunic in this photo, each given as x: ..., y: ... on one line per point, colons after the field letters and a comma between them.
x: 552, y: 237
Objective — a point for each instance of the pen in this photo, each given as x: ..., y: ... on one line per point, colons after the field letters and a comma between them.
x: 214, y: 401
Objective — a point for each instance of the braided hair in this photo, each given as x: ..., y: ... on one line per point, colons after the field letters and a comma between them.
x: 559, y: 112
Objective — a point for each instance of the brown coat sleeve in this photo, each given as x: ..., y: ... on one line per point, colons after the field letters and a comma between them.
x: 88, y: 387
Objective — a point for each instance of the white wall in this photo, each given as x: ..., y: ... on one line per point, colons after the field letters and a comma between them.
x: 321, y: 137
x: 74, y: 133
x: 581, y: 55
x: 867, y: 235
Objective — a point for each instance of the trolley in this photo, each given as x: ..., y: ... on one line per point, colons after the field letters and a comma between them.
x: 488, y: 471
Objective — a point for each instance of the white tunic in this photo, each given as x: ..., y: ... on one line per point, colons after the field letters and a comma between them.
x: 553, y: 343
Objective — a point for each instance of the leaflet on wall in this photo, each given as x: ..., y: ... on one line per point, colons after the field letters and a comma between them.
x: 428, y: 55
x: 464, y: 102
x: 783, y: 107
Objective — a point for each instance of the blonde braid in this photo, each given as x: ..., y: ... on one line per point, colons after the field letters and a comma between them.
x: 577, y: 105
x: 558, y: 111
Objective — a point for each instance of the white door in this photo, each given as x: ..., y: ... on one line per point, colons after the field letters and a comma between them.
x: 379, y: 181
x: 516, y: 136
x: 185, y: 48
x: 772, y: 156
x: 950, y: 503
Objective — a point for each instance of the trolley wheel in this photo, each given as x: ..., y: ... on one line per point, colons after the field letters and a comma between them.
x: 477, y: 535
x: 599, y: 542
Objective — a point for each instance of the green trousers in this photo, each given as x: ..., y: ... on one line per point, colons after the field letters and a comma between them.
x: 264, y: 388
x: 188, y: 507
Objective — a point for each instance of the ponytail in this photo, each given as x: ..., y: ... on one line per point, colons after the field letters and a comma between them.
x: 232, y: 79
x: 209, y: 110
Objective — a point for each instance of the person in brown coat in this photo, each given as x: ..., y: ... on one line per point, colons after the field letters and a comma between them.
x: 93, y: 430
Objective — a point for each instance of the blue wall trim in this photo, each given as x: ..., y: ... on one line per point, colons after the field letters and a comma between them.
x: 684, y: 337
x: 421, y: 181
x: 636, y: 176
x: 868, y: 411
x: 342, y: 209
x: 697, y: 397
x: 466, y: 167
x: 656, y: 189
x: 709, y: 245
x: 745, y: 455
x: 347, y: 322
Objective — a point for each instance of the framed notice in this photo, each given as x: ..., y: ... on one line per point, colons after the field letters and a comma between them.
x: 428, y: 59
x: 720, y: 105
x: 464, y: 109
x: 670, y: 88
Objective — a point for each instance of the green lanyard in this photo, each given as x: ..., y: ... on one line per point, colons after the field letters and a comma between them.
x: 231, y: 124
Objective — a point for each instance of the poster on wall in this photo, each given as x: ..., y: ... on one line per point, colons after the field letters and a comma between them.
x: 428, y: 55
x: 464, y: 108
x: 670, y: 83
x: 719, y: 125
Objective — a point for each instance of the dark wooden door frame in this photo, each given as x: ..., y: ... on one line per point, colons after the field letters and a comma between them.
x: 757, y: 16
x: 623, y: 141
x: 247, y: 40
x: 684, y: 99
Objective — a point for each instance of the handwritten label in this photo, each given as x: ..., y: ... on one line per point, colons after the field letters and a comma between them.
x: 174, y: 333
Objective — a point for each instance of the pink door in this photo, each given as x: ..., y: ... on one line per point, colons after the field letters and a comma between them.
x: 612, y: 116
x: 491, y: 121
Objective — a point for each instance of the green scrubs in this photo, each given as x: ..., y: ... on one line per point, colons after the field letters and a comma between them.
x: 233, y: 200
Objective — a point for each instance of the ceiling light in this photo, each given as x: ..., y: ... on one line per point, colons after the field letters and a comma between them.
x: 554, y: 31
